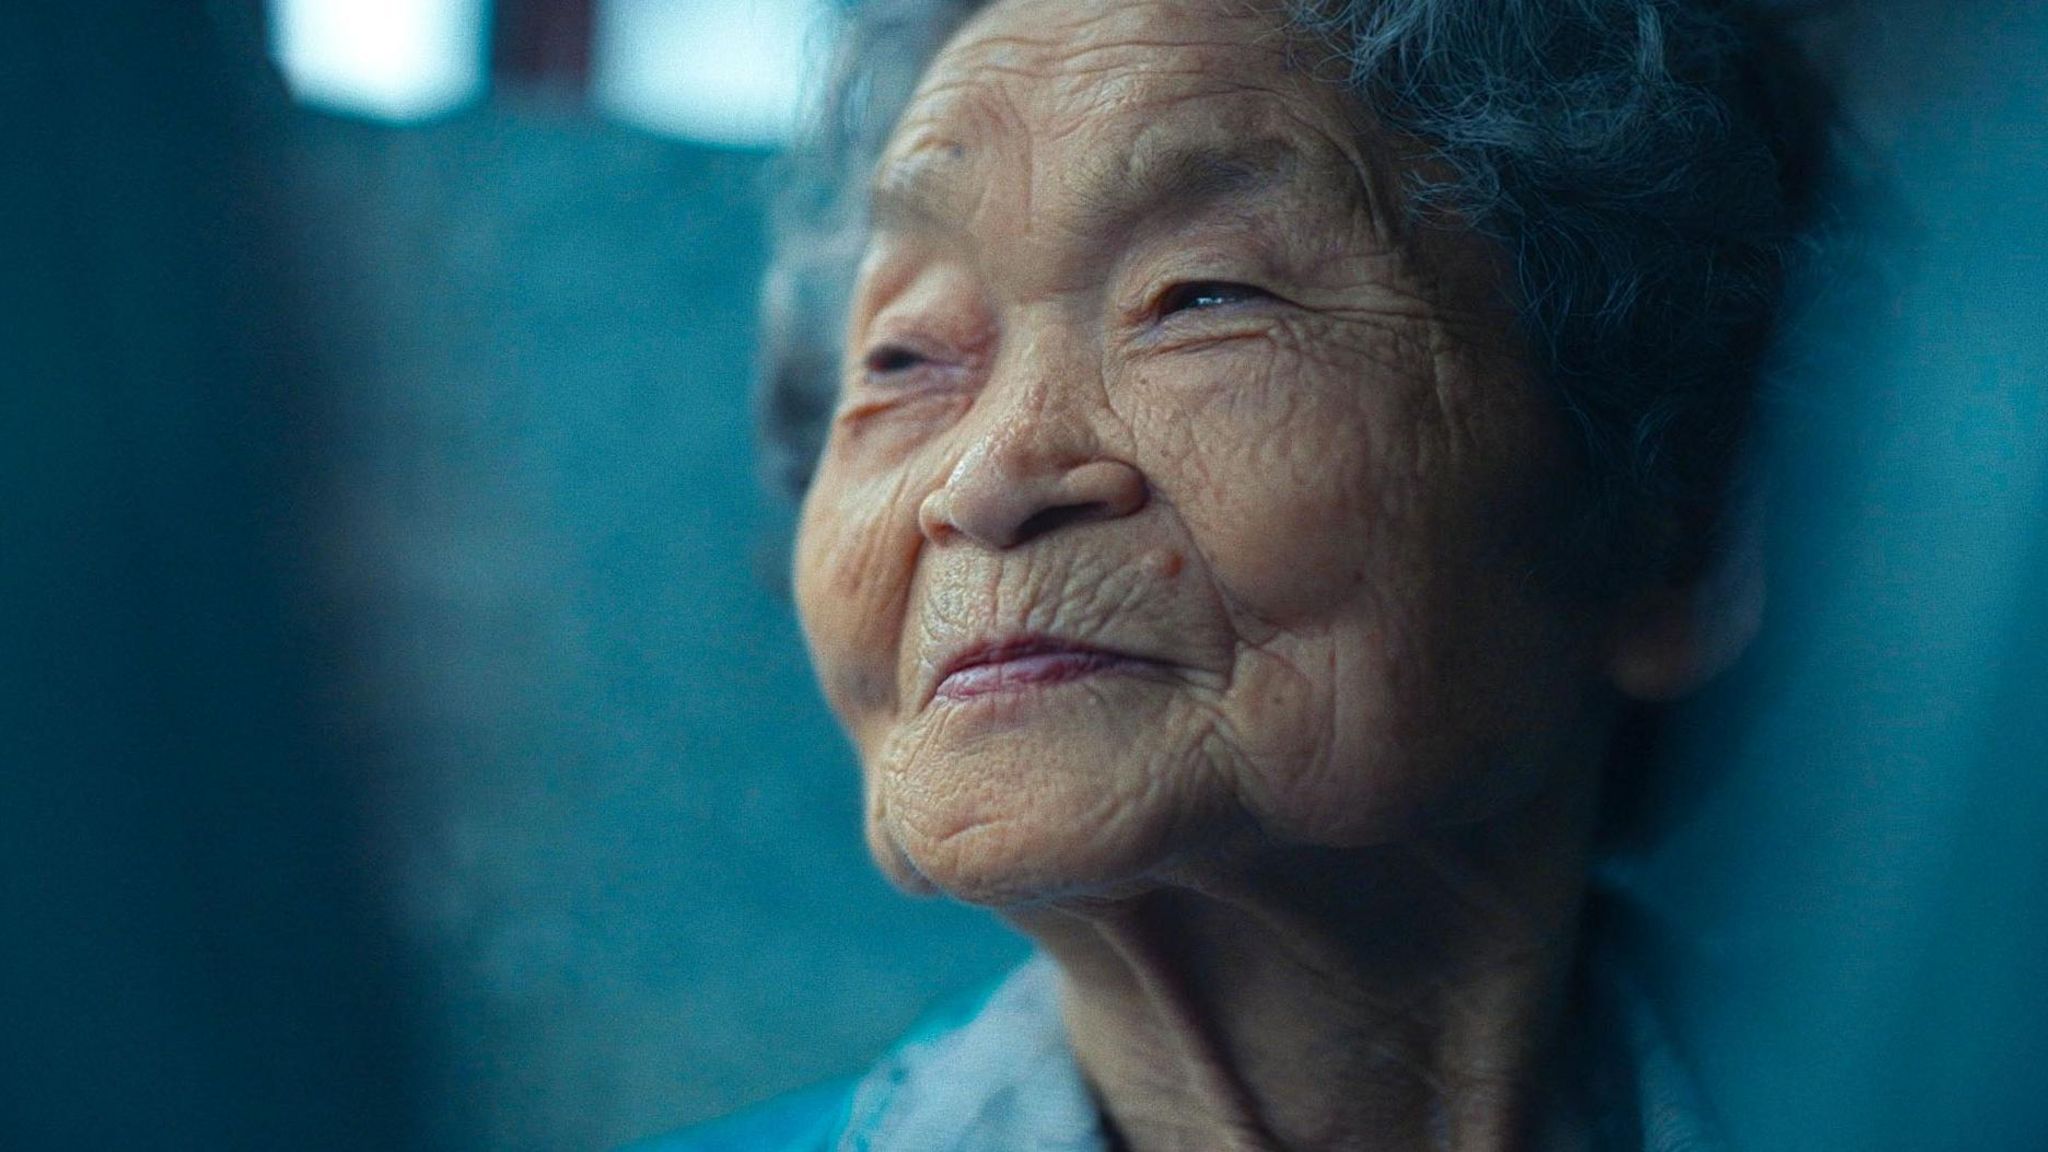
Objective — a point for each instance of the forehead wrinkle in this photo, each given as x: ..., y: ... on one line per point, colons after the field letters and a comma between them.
x: 929, y: 180
x: 1179, y: 180
x: 1114, y: 192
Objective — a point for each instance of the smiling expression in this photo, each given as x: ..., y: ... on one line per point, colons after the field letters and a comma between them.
x: 1179, y: 499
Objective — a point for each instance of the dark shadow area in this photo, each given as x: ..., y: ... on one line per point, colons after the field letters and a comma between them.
x: 196, y: 951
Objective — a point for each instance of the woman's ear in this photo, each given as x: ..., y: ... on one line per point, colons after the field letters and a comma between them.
x: 1671, y: 639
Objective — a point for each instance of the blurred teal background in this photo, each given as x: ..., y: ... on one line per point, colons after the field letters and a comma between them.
x: 405, y: 741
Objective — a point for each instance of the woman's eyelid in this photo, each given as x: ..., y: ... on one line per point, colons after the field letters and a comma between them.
x: 925, y: 312
x: 905, y: 334
x: 902, y: 351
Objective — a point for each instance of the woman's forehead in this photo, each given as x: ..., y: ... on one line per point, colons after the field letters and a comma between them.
x: 1031, y: 34
x: 1053, y: 66
x: 1128, y: 106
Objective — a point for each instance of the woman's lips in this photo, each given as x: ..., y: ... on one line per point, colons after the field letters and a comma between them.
x: 1019, y: 666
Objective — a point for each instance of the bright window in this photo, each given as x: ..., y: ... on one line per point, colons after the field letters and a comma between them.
x: 725, y: 71
x: 390, y: 59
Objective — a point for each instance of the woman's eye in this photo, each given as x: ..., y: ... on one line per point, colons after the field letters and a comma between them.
x: 1200, y: 294
x: 890, y: 359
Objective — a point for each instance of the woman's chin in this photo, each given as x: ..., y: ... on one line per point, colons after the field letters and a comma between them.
x: 1003, y: 865
x: 1026, y: 854
x: 1042, y: 799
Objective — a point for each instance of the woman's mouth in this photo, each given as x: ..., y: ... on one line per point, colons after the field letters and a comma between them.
x: 1021, y: 665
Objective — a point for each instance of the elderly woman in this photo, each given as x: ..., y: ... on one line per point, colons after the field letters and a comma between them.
x: 1275, y: 449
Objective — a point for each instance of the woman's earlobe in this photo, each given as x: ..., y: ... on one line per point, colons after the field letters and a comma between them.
x: 1671, y: 640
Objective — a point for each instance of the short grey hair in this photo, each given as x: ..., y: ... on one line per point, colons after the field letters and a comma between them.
x: 1651, y: 171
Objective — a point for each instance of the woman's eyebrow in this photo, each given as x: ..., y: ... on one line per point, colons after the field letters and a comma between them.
x: 1182, y: 179
x: 921, y: 193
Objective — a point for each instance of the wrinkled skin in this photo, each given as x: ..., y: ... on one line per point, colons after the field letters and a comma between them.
x: 1142, y: 359
x: 1221, y: 413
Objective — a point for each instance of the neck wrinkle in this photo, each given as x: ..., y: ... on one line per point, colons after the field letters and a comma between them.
x: 1354, y: 1000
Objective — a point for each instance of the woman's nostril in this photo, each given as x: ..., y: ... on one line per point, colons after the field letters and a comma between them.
x: 1053, y: 519
x: 1098, y: 490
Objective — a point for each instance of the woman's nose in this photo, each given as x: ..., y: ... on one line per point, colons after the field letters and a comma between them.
x: 1002, y: 494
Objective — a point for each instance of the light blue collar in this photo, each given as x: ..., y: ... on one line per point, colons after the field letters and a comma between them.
x: 1005, y: 1081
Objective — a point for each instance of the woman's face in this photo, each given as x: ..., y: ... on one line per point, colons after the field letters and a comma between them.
x: 1175, y: 503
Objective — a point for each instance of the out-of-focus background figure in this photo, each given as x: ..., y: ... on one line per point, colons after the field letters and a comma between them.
x: 404, y: 736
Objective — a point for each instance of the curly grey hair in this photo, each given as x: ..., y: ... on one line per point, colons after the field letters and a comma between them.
x: 1650, y: 169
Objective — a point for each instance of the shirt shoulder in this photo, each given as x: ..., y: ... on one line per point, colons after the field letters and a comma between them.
x: 807, y: 1120
x: 989, y: 1072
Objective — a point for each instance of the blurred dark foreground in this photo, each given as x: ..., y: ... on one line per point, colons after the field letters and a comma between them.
x: 402, y: 744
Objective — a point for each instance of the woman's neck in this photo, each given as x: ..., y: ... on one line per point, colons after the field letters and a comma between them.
x: 1323, y: 999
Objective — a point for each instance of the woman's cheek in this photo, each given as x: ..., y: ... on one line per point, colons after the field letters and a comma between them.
x: 856, y: 548
x: 1274, y: 480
